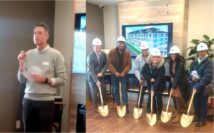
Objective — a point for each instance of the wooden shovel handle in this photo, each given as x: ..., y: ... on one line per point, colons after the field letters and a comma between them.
x: 120, y: 92
x: 190, y: 103
x: 170, y: 95
x: 101, y: 96
x: 152, y: 94
x: 141, y: 88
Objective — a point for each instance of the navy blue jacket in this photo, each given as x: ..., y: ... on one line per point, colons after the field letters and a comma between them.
x: 205, y: 72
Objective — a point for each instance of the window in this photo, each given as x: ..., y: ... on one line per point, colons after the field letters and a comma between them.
x: 79, y: 51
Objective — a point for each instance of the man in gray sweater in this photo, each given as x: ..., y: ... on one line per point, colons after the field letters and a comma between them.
x: 43, y: 71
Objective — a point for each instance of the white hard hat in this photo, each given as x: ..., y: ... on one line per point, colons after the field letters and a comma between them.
x: 96, y: 41
x: 144, y: 45
x: 155, y: 52
x: 121, y: 39
x: 174, y: 50
x: 202, y: 46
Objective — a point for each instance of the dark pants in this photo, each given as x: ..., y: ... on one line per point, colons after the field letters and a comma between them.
x: 38, y: 115
x: 200, y: 106
x: 124, y: 87
x: 142, y: 96
x: 95, y: 93
x: 157, y: 103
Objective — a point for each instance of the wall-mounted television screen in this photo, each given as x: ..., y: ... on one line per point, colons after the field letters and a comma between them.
x: 157, y: 35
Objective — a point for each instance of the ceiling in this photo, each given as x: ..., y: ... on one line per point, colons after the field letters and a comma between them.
x: 103, y: 2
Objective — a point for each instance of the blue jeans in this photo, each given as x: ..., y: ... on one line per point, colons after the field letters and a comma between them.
x: 115, y: 86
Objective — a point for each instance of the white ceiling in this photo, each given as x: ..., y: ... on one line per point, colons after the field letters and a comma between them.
x: 103, y: 2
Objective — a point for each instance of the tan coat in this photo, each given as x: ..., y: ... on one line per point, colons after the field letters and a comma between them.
x: 112, y: 61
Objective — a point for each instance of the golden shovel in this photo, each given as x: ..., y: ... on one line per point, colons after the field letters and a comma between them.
x: 103, y: 109
x: 138, y: 111
x: 165, y: 115
x: 151, y: 118
x: 121, y: 109
x: 186, y: 119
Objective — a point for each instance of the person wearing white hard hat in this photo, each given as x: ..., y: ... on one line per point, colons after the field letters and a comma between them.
x: 97, y: 65
x: 201, y: 75
x: 119, y: 64
x: 140, y: 60
x: 154, y: 73
x: 179, y: 81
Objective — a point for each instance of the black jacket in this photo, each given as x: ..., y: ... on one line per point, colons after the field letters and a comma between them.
x: 180, y: 79
x: 157, y: 73
x: 205, y: 72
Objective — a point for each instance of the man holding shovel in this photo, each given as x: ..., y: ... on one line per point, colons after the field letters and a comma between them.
x: 139, y: 63
x: 119, y: 64
x: 201, y: 75
x: 97, y: 65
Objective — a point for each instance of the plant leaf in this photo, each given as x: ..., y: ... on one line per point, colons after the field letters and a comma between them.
x: 191, y: 58
x: 206, y: 37
x: 195, y: 41
x: 192, y: 51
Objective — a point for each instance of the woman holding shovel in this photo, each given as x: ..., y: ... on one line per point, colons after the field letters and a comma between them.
x: 179, y: 82
x: 153, y: 72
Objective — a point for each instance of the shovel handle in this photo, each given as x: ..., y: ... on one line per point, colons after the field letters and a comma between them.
x: 101, y: 96
x: 120, y: 92
x: 190, y: 103
x: 138, y: 104
x: 170, y: 95
x: 152, y: 94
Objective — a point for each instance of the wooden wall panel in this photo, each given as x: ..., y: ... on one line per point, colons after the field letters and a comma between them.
x: 157, y: 11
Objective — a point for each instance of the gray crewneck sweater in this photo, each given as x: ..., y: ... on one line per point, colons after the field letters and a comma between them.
x: 52, y: 65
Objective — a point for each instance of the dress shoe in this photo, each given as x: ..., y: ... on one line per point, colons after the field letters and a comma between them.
x: 200, y: 124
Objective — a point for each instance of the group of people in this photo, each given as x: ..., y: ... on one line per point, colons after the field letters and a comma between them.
x: 150, y: 71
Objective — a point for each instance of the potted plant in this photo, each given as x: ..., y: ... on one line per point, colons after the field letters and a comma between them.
x: 206, y: 39
x: 192, y: 55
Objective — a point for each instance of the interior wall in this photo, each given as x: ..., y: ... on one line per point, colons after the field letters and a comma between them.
x: 149, y: 11
x: 17, y: 20
x: 95, y: 26
x: 64, y: 41
x: 78, y: 87
x: 111, y: 25
x: 201, y: 19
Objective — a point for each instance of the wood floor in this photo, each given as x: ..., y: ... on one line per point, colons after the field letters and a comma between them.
x: 113, y: 124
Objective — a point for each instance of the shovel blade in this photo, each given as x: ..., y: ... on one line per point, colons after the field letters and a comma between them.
x: 151, y: 119
x: 137, y: 113
x: 121, y: 111
x: 166, y: 116
x: 186, y: 120
x: 103, y: 110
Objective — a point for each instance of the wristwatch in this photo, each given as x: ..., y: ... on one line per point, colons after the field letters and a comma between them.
x: 46, y: 81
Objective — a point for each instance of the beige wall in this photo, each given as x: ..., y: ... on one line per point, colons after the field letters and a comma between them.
x: 79, y: 6
x: 110, y: 17
x: 95, y: 27
x: 63, y: 41
x: 201, y: 19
